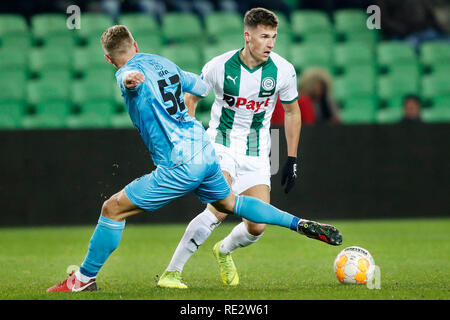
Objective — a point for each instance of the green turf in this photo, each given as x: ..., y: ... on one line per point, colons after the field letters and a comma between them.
x: 413, y: 256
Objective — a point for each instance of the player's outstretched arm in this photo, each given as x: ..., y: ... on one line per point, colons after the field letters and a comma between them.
x: 191, y: 102
x: 132, y: 79
x: 292, y: 127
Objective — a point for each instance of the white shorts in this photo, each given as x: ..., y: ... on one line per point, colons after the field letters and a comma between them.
x: 245, y: 171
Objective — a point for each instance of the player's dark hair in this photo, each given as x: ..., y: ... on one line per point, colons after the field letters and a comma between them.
x: 411, y: 97
x: 262, y: 16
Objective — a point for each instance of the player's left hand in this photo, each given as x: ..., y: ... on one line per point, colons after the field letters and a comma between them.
x: 133, y: 79
x: 289, y: 174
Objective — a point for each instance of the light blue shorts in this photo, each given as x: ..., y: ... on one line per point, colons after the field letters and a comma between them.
x: 202, y: 175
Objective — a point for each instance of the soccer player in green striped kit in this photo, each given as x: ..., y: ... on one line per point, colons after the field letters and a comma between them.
x: 246, y: 84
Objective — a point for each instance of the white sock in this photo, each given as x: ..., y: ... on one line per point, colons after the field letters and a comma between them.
x: 81, y: 277
x: 197, y: 231
x: 238, y: 237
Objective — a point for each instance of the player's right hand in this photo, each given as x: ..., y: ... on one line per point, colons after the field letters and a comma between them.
x: 133, y: 79
x: 289, y: 174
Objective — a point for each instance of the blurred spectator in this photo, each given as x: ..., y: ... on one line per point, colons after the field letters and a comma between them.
x: 316, y: 103
x: 316, y: 86
x: 226, y: 5
x: 200, y: 7
x: 411, y: 109
x: 442, y: 13
x: 306, y: 109
x: 331, y: 5
x: 413, y: 21
x: 154, y: 8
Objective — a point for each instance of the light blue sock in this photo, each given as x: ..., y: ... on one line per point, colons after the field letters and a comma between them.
x: 104, y: 241
x: 260, y: 212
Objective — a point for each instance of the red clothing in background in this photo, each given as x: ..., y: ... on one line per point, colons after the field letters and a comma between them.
x: 306, y: 108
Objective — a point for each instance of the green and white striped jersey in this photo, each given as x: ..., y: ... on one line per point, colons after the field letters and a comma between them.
x: 245, y: 100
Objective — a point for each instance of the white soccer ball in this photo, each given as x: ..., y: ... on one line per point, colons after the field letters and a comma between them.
x: 354, y: 265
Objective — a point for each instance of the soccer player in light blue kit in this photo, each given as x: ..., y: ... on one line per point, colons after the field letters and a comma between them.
x: 153, y: 89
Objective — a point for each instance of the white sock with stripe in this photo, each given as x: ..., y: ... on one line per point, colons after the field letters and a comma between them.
x: 238, y: 237
x: 196, y: 233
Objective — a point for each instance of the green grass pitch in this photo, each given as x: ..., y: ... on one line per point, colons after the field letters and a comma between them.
x: 413, y: 256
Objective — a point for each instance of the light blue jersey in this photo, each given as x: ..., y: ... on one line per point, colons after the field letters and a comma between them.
x: 157, y: 108
x: 178, y: 143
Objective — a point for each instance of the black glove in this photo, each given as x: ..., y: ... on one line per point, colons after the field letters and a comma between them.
x: 289, y: 174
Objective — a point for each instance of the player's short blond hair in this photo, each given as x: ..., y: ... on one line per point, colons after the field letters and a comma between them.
x: 116, y: 40
x: 260, y: 16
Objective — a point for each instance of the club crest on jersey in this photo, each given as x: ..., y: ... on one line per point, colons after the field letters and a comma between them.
x: 268, y: 83
x: 239, y: 102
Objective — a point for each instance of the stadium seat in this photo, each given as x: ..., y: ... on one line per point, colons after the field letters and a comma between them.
x: 13, y: 60
x: 49, y: 24
x: 320, y: 38
x: 11, y: 113
x: 41, y: 91
x: 215, y: 50
x: 46, y: 58
x: 19, y: 77
x: 434, y: 54
x: 92, y: 91
x: 411, y: 71
x: 187, y: 57
x: 222, y: 22
x: 436, y: 114
x: 435, y: 85
x: 357, y: 116
x: 293, y: 4
x: 118, y: 99
x: 354, y: 86
x: 94, y: 114
x: 17, y: 42
x: 366, y: 103
x: 397, y: 86
x: 369, y: 70
x: 284, y: 26
x: 107, y: 74
x: 92, y: 27
x: 366, y: 37
x: 352, y: 54
x: 59, y: 75
x: 12, y: 24
x: 283, y: 45
x: 11, y: 91
x: 395, y: 102
x: 49, y: 115
x: 182, y: 27
x: 139, y: 23
x: 389, y: 115
x: 441, y: 101
x: 395, y: 52
x: 310, y: 55
x: 349, y: 20
x: 231, y: 39
x: 309, y: 22
x: 149, y: 43
x: 121, y: 120
x: 60, y: 42
x: 89, y: 59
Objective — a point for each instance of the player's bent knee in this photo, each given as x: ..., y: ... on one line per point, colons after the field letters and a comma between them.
x: 256, y: 229
x: 110, y: 208
x: 225, y: 205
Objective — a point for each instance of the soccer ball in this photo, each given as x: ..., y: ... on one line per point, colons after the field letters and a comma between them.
x: 354, y: 265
